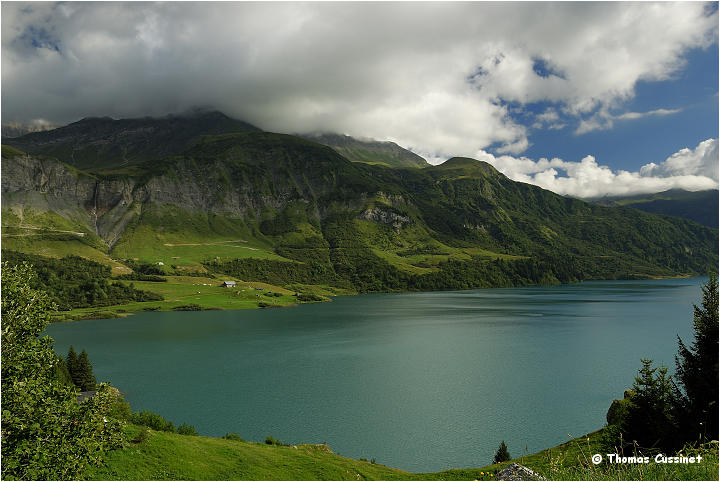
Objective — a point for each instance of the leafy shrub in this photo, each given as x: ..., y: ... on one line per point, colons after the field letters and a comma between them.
x: 141, y: 436
x: 46, y: 434
x: 309, y: 297
x: 152, y: 420
x: 142, y: 277
x: 190, y: 307
x: 270, y: 440
x: 186, y: 429
x: 233, y: 436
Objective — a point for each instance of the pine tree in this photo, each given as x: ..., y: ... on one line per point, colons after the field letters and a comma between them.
x: 697, y: 370
x: 502, y: 454
x: 86, y: 380
x: 650, y: 420
x: 72, y: 365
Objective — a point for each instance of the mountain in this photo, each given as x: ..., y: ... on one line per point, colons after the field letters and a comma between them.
x: 102, y: 144
x: 700, y: 206
x: 369, y: 151
x: 280, y: 209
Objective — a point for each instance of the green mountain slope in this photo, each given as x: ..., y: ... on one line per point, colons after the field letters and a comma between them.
x: 369, y: 151
x: 701, y: 206
x: 280, y: 209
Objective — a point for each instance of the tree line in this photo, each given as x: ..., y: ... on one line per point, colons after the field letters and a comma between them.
x: 75, y: 282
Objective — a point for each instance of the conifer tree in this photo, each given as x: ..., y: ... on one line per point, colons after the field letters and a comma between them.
x: 72, y: 365
x: 502, y: 454
x: 650, y: 421
x: 697, y: 370
x: 86, y: 381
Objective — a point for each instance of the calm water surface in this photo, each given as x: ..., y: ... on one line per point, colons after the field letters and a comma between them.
x: 420, y: 381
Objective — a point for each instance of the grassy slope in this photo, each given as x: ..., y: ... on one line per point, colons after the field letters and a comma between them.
x: 167, y: 456
x: 54, y: 248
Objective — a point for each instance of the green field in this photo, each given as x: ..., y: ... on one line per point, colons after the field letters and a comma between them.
x: 169, y: 456
x: 180, y: 291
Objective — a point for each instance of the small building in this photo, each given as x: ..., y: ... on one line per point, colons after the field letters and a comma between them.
x: 228, y: 284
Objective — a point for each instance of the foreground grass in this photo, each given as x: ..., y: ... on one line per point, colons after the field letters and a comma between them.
x: 169, y: 456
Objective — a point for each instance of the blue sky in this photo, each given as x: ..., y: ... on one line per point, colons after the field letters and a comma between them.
x: 582, y: 98
x: 630, y: 144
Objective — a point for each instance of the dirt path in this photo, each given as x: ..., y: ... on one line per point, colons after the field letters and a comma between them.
x: 209, y: 244
x: 36, y: 228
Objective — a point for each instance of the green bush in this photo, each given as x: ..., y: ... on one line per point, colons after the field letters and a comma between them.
x: 152, y: 420
x: 190, y: 307
x: 270, y: 440
x: 310, y: 297
x: 141, y: 436
x: 186, y: 429
x: 233, y: 436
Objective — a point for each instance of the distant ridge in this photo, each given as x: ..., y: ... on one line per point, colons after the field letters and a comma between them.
x: 369, y: 151
x: 699, y: 206
x: 99, y: 143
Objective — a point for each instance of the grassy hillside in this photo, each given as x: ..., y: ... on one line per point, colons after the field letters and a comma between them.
x: 169, y: 456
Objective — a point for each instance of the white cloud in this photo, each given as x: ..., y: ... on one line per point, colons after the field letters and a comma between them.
x: 701, y: 161
x: 434, y: 76
x: 603, y: 120
x: 689, y: 169
x: 640, y: 115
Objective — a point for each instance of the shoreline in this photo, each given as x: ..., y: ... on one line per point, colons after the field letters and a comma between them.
x: 117, y: 311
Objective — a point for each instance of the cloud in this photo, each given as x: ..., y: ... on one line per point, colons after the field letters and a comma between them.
x: 437, y: 77
x: 689, y: 169
x: 701, y: 161
x: 640, y: 115
x: 603, y: 120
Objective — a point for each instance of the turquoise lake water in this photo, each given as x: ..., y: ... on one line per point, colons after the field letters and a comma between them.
x: 419, y: 381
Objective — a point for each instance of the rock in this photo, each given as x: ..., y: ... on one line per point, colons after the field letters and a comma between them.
x: 619, y: 409
x: 518, y: 472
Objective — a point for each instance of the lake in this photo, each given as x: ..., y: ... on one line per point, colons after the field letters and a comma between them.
x: 419, y: 381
